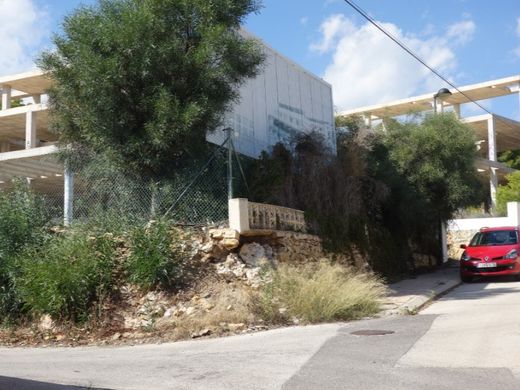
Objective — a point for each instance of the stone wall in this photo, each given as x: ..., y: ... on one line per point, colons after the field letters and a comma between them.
x: 455, y: 239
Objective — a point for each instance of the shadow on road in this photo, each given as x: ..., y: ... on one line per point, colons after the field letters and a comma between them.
x: 7, y: 383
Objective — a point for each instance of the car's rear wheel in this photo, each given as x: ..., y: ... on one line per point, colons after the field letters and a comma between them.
x: 466, y: 278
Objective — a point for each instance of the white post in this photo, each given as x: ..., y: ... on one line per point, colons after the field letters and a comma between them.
x: 492, y: 155
x: 456, y: 110
x: 239, y: 214
x: 68, y: 196
x: 6, y: 97
x: 30, y: 130
x: 493, y: 187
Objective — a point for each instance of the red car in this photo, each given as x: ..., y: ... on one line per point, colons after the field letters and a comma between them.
x: 491, y: 252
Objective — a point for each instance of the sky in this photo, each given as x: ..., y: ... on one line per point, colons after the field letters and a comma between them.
x: 468, y: 41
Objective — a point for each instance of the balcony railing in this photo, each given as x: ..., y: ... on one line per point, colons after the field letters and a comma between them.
x: 245, y: 215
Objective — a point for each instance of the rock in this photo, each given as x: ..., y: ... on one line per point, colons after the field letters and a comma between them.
x: 169, y: 312
x: 202, y: 333
x: 282, y: 310
x: 46, y: 323
x: 229, y: 243
x: 208, y: 247
x: 116, y: 336
x: 229, y: 308
x: 253, y: 254
x: 232, y: 234
x: 236, y: 327
x: 60, y: 337
x: 190, y: 310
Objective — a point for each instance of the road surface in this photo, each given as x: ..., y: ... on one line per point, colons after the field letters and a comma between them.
x: 469, y: 339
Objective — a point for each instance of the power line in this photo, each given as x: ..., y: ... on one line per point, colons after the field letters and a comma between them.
x: 419, y: 59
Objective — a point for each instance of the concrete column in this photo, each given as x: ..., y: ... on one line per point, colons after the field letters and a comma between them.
x: 30, y: 130
x: 6, y: 96
x: 492, y: 155
x: 68, y: 196
x: 37, y: 99
x: 239, y: 214
x: 456, y: 110
x: 492, y: 141
x: 493, y: 186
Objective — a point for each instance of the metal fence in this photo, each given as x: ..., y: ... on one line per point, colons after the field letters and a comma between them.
x: 196, y: 194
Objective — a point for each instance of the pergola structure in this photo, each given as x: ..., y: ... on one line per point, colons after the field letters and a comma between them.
x: 27, y: 147
x: 494, y: 133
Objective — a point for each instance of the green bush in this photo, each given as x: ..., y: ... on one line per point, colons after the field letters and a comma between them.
x: 22, y: 218
x: 320, y: 292
x: 157, y: 257
x: 66, y: 276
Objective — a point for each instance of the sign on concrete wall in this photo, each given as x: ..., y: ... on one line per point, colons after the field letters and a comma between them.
x: 283, y: 100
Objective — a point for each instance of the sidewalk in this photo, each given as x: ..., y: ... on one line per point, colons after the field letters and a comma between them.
x: 409, y: 295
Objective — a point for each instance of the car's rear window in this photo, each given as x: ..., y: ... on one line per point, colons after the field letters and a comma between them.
x: 495, y: 237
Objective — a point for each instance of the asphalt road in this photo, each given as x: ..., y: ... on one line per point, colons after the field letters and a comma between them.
x: 469, y: 339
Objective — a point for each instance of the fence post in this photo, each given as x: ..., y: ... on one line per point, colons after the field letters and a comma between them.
x: 239, y: 214
x: 68, y: 196
x: 229, y: 131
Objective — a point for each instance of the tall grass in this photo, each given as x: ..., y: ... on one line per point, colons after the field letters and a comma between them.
x: 319, y: 292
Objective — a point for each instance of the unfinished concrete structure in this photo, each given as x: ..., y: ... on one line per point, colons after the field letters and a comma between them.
x: 494, y: 133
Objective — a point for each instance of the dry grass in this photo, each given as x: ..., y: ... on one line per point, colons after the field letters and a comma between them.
x: 232, y: 306
x: 320, y: 292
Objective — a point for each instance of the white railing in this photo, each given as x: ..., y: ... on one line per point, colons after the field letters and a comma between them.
x: 245, y: 215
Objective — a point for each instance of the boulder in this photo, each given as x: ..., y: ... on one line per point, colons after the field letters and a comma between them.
x: 253, y: 254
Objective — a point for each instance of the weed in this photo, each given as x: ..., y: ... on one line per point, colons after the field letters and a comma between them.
x: 320, y: 292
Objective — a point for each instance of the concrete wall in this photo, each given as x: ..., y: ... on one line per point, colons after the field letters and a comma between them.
x: 282, y: 101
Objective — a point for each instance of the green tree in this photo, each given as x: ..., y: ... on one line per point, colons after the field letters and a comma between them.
x: 143, y: 81
x: 511, y: 158
x: 509, y: 192
x: 436, y: 158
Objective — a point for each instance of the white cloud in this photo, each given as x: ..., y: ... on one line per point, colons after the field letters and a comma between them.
x: 332, y: 29
x: 22, y: 30
x: 368, y: 68
x: 304, y: 20
x: 461, y: 32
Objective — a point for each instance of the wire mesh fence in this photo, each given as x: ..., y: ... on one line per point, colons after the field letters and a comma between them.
x: 196, y: 194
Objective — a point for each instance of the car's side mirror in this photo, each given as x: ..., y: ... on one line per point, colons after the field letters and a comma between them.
x: 463, y: 246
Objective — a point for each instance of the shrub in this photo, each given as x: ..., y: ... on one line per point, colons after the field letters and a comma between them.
x: 66, y: 276
x: 22, y: 217
x: 157, y: 257
x: 320, y: 292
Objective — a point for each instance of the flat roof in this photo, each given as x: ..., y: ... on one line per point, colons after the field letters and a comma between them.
x: 27, y: 84
x: 480, y: 91
x: 507, y: 130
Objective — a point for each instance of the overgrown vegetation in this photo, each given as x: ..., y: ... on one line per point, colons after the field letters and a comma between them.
x: 22, y: 219
x: 67, y: 277
x: 321, y: 291
x: 509, y: 192
x: 385, y: 193
x: 158, y: 256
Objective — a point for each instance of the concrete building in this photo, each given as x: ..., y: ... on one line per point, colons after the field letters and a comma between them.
x: 494, y: 133
x: 283, y: 100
